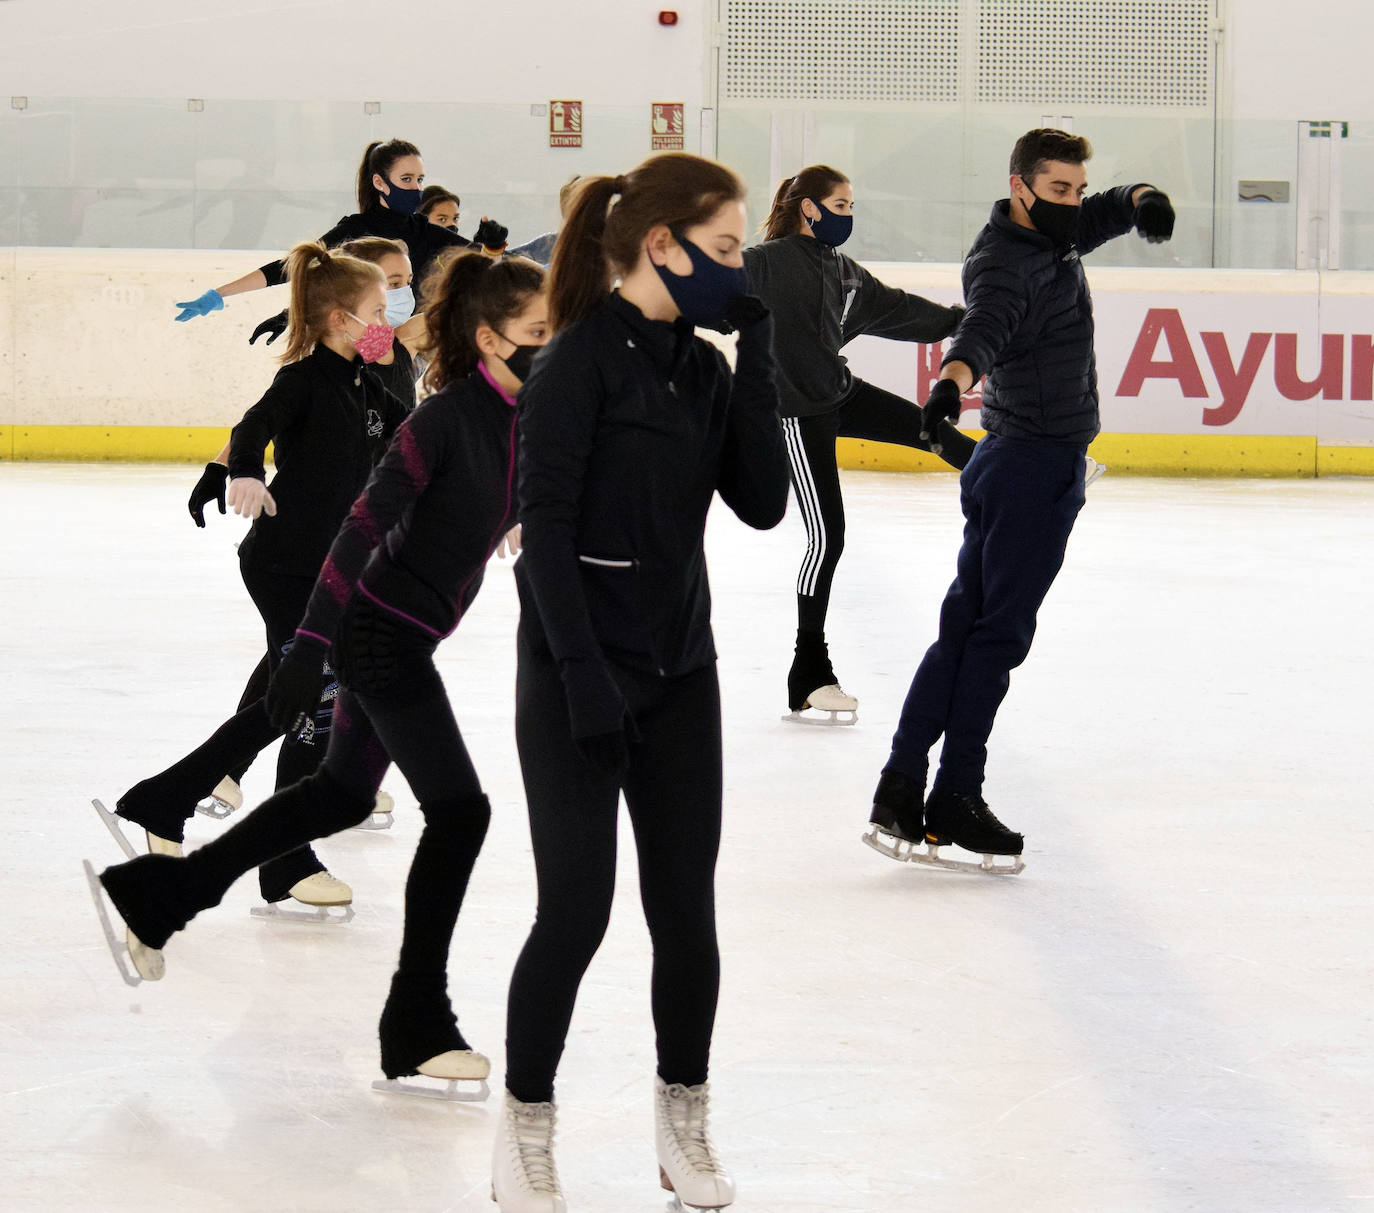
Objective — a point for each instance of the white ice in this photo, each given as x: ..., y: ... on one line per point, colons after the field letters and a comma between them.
x: 1169, y: 1010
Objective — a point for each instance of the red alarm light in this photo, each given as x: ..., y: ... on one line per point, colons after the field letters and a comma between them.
x: 667, y: 17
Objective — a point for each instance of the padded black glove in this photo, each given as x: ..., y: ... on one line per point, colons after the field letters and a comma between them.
x: 609, y: 753
x: 941, y: 405
x: 210, y: 487
x: 744, y: 311
x: 491, y: 235
x: 1154, y: 216
x: 274, y: 325
x: 295, y: 690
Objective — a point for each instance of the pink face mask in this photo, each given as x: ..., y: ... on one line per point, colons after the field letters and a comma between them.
x: 376, y: 341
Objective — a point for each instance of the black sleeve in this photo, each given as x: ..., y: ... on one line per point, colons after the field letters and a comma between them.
x: 1105, y: 216
x: 886, y: 311
x: 278, y: 409
x: 753, y: 473
x: 997, y: 301
x: 559, y: 407
x: 346, y: 229
x: 756, y: 264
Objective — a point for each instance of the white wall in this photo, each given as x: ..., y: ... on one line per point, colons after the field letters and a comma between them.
x: 606, y: 52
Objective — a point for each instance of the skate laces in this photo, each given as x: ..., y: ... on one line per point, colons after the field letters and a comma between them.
x: 685, y: 1110
x: 985, y: 814
x: 531, y: 1141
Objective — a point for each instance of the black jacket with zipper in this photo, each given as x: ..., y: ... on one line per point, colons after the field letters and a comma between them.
x: 1029, y: 324
x: 329, y: 420
x: 628, y: 428
x: 821, y: 300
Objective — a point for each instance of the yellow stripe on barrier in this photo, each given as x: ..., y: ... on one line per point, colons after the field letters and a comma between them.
x: 1126, y: 454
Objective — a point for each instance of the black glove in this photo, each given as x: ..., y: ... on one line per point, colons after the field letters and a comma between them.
x: 743, y: 312
x: 956, y: 314
x: 1154, y: 216
x: 609, y: 753
x: 210, y: 487
x: 491, y: 235
x: 274, y: 325
x: 294, y: 693
x: 941, y: 405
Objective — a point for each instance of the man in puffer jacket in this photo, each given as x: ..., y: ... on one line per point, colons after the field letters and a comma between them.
x: 1029, y: 329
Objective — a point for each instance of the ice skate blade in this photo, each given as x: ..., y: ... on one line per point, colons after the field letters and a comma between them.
x: 226, y: 797
x: 886, y: 843
x: 678, y: 1205
x: 830, y: 719
x: 988, y: 866
x: 334, y: 916
x: 214, y: 807
x: 135, y: 962
x: 452, y: 1090
x: 377, y: 821
x: 112, y: 823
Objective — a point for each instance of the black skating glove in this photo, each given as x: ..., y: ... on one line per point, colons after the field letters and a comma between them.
x: 956, y: 315
x: 491, y: 235
x: 609, y: 753
x: 941, y: 405
x: 596, y: 708
x: 210, y: 487
x: 1154, y: 216
x: 274, y: 326
x: 294, y: 693
x: 744, y: 312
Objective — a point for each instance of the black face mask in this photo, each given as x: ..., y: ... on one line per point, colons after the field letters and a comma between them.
x: 1057, y: 220
x: 521, y: 359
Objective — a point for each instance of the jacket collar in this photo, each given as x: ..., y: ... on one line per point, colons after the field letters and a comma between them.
x: 665, y: 342
x: 1003, y: 223
x: 346, y: 372
x: 486, y: 377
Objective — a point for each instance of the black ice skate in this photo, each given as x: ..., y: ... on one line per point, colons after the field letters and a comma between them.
x: 964, y: 820
x: 898, y: 827
x: 812, y: 685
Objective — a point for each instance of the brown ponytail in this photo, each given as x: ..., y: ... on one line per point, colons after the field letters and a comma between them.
x: 815, y: 182
x: 321, y: 281
x: 378, y: 158
x: 468, y: 291
x: 608, y: 218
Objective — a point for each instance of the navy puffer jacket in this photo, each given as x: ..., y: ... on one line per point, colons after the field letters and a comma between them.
x: 1029, y: 323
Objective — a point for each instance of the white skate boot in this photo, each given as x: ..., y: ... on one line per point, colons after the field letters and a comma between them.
x: 1092, y: 470
x: 839, y: 708
x: 225, y: 799
x: 687, y: 1162
x: 329, y: 899
x: 523, y: 1176
x: 381, y: 816
x: 464, y: 1073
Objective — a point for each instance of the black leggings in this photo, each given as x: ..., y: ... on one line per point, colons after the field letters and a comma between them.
x: 873, y: 415
x: 394, y: 709
x: 673, y: 793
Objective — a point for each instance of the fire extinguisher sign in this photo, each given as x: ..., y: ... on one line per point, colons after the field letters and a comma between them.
x: 667, y: 124
x: 565, y: 124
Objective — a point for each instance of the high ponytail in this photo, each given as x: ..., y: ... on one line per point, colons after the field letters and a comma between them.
x: 466, y: 292
x: 609, y: 217
x: 320, y: 282
x: 378, y: 158
x: 815, y: 182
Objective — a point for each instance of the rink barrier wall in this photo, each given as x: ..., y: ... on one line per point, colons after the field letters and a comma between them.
x: 1201, y: 372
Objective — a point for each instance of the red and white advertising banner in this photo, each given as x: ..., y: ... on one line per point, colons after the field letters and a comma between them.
x: 1194, y: 351
x: 565, y: 124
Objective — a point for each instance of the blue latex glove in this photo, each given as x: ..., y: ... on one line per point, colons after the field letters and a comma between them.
x: 211, y: 301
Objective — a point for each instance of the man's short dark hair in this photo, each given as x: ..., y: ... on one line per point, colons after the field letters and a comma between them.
x: 1035, y: 148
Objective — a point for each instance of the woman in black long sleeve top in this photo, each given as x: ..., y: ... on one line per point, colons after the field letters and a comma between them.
x: 405, y: 566
x: 630, y: 424
x: 821, y: 300
x: 329, y: 419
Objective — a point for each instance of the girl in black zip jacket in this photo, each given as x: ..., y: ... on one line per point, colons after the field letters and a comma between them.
x: 403, y: 569
x: 329, y: 420
x: 821, y: 300
x: 630, y: 425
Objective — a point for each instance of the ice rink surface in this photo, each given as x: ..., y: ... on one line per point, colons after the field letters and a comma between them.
x: 1170, y: 1009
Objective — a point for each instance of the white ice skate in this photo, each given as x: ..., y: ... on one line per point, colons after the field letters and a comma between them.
x: 687, y: 1162
x: 156, y: 844
x: 381, y: 816
x: 135, y: 961
x: 524, y: 1178
x: 324, y: 898
x: 1092, y: 470
x: 225, y: 799
x: 837, y: 708
x: 463, y: 1072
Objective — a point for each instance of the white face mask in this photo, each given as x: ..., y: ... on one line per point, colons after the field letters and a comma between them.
x: 400, y: 305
